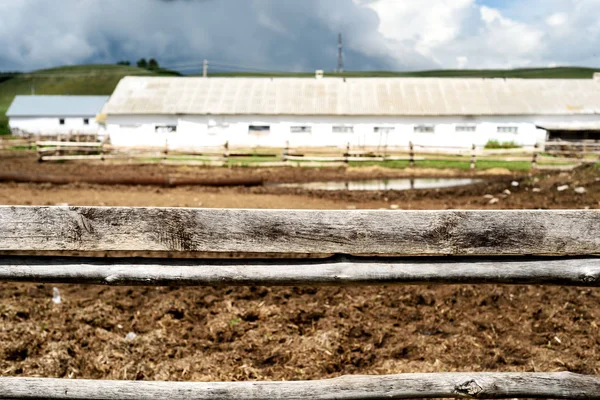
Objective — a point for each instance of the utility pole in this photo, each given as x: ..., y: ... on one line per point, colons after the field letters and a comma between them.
x: 205, y: 69
x: 340, y: 67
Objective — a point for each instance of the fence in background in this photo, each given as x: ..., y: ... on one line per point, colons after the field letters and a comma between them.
x: 88, y: 147
x: 29, y: 141
x: 303, y: 247
x: 580, y: 148
x: 289, y: 156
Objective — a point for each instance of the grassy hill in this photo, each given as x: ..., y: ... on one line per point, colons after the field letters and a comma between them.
x: 102, y: 79
x: 73, y: 80
x: 525, y: 73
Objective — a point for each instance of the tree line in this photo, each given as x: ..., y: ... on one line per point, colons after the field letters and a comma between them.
x: 150, y: 64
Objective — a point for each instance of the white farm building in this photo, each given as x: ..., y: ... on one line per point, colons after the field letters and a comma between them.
x: 52, y: 115
x: 443, y: 112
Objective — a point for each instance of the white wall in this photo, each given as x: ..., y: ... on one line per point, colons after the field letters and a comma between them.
x: 201, y: 131
x: 52, y: 126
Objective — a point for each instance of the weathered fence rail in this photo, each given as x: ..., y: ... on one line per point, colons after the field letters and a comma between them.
x: 339, y: 271
x: 347, y: 248
x: 358, y: 232
x: 561, y: 385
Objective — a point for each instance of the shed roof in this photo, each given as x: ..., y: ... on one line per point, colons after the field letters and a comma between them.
x: 354, y: 96
x: 56, y: 106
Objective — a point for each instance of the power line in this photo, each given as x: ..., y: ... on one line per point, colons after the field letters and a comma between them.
x: 189, y: 66
x: 224, y: 64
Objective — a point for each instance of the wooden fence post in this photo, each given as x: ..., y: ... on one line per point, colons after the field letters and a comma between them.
x: 226, y: 152
x: 473, y: 157
x: 411, y: 154
x: 535, y: 156
x: 286, y: 151
x: 347, y: 154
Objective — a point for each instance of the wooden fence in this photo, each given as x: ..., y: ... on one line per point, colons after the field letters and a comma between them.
x: 30, y: 141
x: 303, y: 247
x: 288, y: 156
x: 578, y: 149
x: 9, y: 144
x: 88, y: 147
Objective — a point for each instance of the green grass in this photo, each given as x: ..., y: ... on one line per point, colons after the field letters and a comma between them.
x: 70, y: 80
x: 525, y: 73
x: 494, y: 144
x: 254, y: 159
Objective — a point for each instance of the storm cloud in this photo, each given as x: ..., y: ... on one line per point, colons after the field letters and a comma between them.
x: 261, y: 34
x: 299, y: 35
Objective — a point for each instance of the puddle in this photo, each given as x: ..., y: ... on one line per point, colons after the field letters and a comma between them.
x: 384, y: 184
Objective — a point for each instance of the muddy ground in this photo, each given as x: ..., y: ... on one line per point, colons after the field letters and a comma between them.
x: 297, y: 332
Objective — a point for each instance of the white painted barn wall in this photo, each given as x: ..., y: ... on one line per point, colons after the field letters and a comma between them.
x: 52, y: 126
x: 202, y: 131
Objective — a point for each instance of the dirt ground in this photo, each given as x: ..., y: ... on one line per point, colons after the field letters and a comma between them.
x: 247, y: 333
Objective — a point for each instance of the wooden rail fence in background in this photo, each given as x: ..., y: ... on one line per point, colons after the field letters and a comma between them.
x: 580, y: 147
x: 29, y: 141
x: 558, y: 247
x: 288, y: 156
x: 87, y: 147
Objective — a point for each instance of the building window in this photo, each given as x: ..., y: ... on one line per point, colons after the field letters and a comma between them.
x: 343, y: 129
x: 424, y: 129
x: 259, y: 130
x: 86, y: 121
x: 61, y: 121
x: 465, y: 128
x: 383, y: 129
x: 508, y: 129
x: 165, y: 128
x: 216, y: 128
x: 300, y: 129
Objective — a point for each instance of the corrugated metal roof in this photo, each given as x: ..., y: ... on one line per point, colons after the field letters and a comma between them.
x: 354, y: 96
x: 56, y: 106
x: 571, y: 126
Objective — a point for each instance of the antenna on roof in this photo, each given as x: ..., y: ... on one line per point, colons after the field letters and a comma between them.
x: 205, y: 69
x: 340, y: 65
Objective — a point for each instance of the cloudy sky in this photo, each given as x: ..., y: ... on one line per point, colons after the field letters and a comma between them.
x: 301, y: 35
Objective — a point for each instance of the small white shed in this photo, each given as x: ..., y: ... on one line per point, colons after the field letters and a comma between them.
x: 52, y: 115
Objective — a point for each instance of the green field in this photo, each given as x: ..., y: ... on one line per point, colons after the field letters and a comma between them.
x: 102, y: 79
x: 525, y: 73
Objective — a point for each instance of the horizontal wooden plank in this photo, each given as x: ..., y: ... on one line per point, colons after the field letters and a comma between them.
x: 333, y: 271
x: 68, y: 144
x: 560, y: 385
x: 511, y: 232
